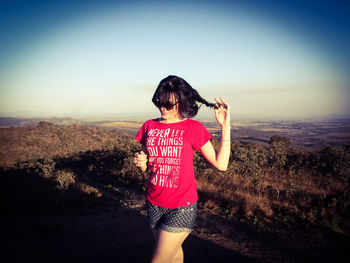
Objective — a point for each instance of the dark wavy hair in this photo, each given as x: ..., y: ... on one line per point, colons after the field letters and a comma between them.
x: 184, y: 94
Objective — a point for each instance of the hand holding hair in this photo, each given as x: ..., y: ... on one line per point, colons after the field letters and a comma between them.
x: 222, y: 113
x: 219, y: 104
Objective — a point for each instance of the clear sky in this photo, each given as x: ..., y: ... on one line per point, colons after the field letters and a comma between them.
x: 266, y: 58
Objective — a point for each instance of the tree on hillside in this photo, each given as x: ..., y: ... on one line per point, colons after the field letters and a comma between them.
x: 277, y: 151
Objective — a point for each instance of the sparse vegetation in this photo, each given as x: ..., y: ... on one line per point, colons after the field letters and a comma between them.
x: 276, y: 184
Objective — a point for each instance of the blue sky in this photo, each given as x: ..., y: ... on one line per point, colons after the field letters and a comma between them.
x: 97, y: 58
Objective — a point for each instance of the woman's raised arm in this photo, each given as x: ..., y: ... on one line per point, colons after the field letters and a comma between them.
x: 219, y: 159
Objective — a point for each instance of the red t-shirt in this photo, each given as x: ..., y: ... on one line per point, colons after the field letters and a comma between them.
x: 170, y: 148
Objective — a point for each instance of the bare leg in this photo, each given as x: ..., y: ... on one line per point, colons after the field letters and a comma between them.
x: 179, y: 256
x: 168, y: 246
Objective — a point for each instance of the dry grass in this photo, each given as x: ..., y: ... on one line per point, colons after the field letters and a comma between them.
x: 307, y: 197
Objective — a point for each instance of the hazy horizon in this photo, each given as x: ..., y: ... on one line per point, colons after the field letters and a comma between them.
x: 207, y: 116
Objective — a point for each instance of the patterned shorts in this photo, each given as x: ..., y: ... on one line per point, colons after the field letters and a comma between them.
x: 171, y: 220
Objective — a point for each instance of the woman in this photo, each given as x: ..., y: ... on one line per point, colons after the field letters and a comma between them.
x: 170, y: 142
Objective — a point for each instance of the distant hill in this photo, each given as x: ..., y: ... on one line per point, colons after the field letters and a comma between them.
x: 47, y: 140
x: 23, y: 122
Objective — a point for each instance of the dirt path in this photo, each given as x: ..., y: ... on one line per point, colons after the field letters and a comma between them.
x: 118, y: 232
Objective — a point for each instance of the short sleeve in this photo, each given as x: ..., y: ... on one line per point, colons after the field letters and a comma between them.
x: 200, y: 136
x: 141, y: 135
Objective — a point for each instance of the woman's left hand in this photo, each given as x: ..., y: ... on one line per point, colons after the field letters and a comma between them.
x: 222, y: 113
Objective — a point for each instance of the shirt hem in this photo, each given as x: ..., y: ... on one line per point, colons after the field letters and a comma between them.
x: 161, y: 205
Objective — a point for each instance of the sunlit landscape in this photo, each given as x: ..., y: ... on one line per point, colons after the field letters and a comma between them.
x: 275, y: 203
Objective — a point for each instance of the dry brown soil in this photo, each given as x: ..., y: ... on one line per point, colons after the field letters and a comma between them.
x: 118, y: 232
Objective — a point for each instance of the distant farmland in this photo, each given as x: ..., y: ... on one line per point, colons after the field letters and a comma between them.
x: 310, y: 135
